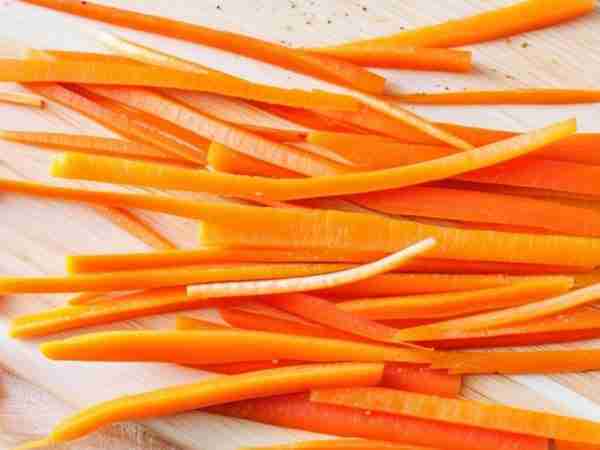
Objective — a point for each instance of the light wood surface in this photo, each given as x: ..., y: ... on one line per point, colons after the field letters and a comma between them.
x: 35, y: 236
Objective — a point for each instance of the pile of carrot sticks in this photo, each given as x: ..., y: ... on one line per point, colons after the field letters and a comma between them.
x: 359, y: 248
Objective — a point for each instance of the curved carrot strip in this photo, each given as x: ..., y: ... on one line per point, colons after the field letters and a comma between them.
x: 457, y: 303
x: 402, y: 57
x: 214, y: 392
x: 519, y: 18
x: 514, y: 97
x: 145, y: 174
x: 310, y: 283
x: 221, y: 346
x: 18, y: 98
x: 321, y: 67
x: 296, y: 411
x: 463, y: 412
x: 338, y: 444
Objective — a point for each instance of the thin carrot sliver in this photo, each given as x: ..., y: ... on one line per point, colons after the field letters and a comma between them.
x: 518, y: 18
x: 464, y: 412
x: 18, y: 98
x: 214, y: 391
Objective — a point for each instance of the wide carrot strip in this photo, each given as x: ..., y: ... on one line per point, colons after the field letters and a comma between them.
x: 214, y: 391
x: 221, y: 346
x: 18, y: 98
x: 463, y: 412
x: 145, y: 174
x: 402, y: 57
x: 117, y: 122
x: 514, y: 97
x: 455, y: 304
x: 518, y: 18
x: 338, y: 444
x: 297, y: 411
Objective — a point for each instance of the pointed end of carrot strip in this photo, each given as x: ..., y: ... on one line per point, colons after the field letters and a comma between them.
x: 46, y: 442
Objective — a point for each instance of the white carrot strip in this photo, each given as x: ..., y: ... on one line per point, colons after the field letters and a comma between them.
x: 19, y: 98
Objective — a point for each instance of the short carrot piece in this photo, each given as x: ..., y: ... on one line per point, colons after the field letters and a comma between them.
x: 222, y: 346
x: 213, y: 391
x: 297, y: 411
x: 19, y: 98
x: 463, y: 412
x: 338, y: 444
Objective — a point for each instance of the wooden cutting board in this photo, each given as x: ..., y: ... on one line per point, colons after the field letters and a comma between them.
x: 35, y: 236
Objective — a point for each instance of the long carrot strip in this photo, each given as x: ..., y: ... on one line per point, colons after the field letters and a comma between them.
x: 310, y: 283
x: 464, y: 412
x: 221, y: 346
x: 214, y: 392
x: 338, y: 444
x: 145, y: 174
x: 18, y: 98
x: 457, y: 303
x: 296, y: 411
x: 308, y: 119
x: 519, y: 18
x: 514, y: 97
x: 321, y: 67
x: 226, y: 160
x: 402, y: 57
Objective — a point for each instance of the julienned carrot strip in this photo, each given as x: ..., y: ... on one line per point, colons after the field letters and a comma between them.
x: 542, y: 361
x: 463, y: 412
x: 313, y: 282
x: 325, y: 68
x: 120, y: 123
x: 213, y: 392
x: 297, y: 411
x: 518, y: 18
x: 504, y: 317
x: 514, y: 97
x: 216, y: 130
x: 567, y: 445
x: 18, y: 98
x: 338, y: 444
x: 226, y: 160
x: 309, y: 119
x: 83, y: 298
x: 402, y: 57
x: 276, y: 134
x: 133, y: 225
x: 457, y: 303
x: 154, y: 278
x: 221, y: 346
x: 145, y: 174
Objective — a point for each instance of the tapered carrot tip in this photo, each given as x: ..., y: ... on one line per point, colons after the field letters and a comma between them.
x: 46, y: 442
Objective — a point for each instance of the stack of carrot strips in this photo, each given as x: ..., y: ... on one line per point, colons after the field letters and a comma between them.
x: 18, y: 98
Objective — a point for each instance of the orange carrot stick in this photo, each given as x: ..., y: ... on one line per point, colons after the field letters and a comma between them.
x: 463, y: 412
x: 514, y: 97
x: 307, y: 118
x: 221, y: 346
x: 457, y: 303
x: 213, y: 392
x: 519, y: 18
x: 18, y: 98
x: 338, y: 444
x: 145, y: 174
x: 402, y: 57
x: 226, y: 160
x: 296, y: 411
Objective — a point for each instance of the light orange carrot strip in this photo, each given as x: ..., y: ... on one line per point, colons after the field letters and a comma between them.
x: 145, y: 174
x: 464, y: 412
x: 213, y: 392
x: 459, y: 303
x: 18, y: 98
x: 518, y: 18
x: 339, y: 444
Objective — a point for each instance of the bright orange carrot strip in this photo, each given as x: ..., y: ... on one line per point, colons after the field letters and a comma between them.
x: 221, y: 346
x: 226, y: 160
x: 321, y: 67
x: 309, y: 119
x: 119, y: 123
x: 276, y: 134
x: 145, y: 174
x: 296, y: 411
x: 338, y: 444
x: 567, y: 445
x: 457, y: 303
x: 514, y: 97
x: 402, y: 57
x: 84, y: 298
x: 18, y: 98
x: 214, y: 392
x: 463, y: 412
x: 518, y: 18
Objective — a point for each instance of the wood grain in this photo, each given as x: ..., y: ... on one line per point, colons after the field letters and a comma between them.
x: 36, y: 235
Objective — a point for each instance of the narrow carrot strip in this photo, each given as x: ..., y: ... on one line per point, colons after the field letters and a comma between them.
x: 310, y: 283
x: 145, y: 174
x: 221, y: 346
x: 514, y: 97
x: 18, y: 98
x: 226, y: 160
x: 463, y: 412
x: 321, y: 67
x: 214, y: 392
x: 276, y: 134
x: 116, y: 122
x: 83, y: 298
x: 518, y: 18
x: 458, y: 303
x: 296, y: 411
x: 339, y: 444
x: 308, y: 118
x: 402, y: 57
x: 567, y: 445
